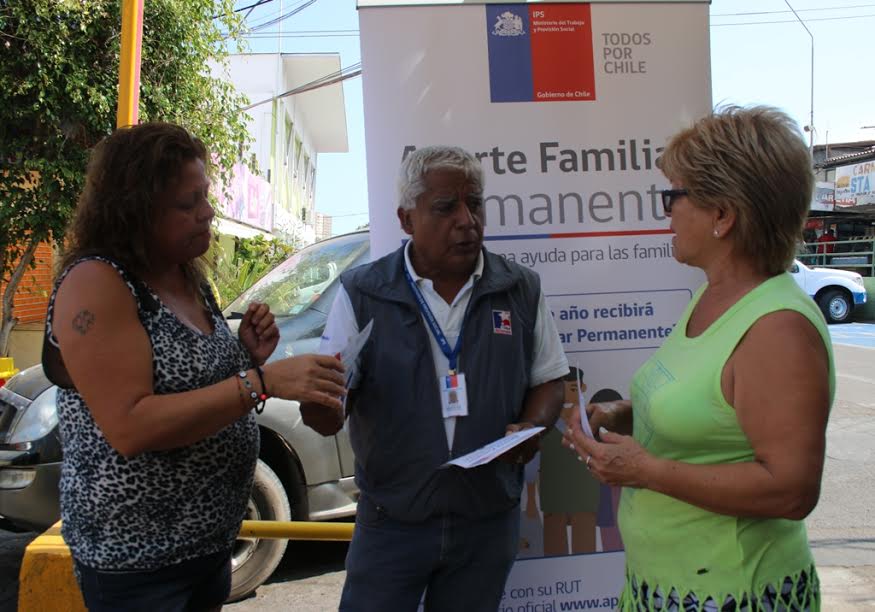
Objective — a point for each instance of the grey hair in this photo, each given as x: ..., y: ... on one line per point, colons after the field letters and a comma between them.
x: 411, y: 178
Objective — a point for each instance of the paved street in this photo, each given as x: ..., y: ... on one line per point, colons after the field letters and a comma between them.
x: 309, y: 578
x: 842, y: 528
x: 854, y: 334
x: 11, y: 548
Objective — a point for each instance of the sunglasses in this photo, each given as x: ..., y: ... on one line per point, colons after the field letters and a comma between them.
x: 669, y: 196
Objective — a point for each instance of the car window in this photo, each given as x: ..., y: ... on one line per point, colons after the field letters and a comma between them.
x: 300, y: 291
x: 300, y: 282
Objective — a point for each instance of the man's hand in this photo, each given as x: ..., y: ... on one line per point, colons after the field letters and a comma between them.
x: 258, y: 332
x: 522, y: 453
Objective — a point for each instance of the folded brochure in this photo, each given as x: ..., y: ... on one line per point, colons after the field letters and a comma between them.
x: 485, y: 454
x: 349, y: 356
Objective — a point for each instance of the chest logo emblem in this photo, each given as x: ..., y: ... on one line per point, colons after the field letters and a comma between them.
x: 501, y: 322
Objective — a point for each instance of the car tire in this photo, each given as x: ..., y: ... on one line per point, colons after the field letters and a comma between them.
x: 836, y: 306
x: 255, y: 559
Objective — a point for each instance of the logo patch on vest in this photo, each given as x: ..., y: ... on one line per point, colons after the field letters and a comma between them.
x: 501, y: 322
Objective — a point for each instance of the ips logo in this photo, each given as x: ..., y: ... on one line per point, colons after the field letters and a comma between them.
x: 501, y: 322
x: 540, y: 54
x: 508, y: 24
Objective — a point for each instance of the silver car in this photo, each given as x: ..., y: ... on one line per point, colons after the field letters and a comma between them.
x: 300, y: 474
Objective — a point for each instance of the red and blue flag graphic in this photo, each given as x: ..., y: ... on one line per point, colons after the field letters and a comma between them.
x: 501, y: 322
x: 540, y: 52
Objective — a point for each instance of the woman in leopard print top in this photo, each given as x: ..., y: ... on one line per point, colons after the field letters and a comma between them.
x: 158, y: 438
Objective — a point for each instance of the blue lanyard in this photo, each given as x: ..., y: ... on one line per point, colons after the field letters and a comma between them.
x: 452, y: 355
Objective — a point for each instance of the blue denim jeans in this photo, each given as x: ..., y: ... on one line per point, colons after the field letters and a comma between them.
x: 461, y: 564
x: 191, y: 586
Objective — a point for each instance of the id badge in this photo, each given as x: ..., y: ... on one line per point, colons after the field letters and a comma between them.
x: 454, y: 398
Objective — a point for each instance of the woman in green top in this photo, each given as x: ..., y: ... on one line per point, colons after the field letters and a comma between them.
x: 720, y: 450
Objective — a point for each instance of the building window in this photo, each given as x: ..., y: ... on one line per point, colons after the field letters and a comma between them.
x: 306, y: 181
x: 298, y: 149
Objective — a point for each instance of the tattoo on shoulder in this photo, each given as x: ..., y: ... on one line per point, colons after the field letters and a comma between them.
x: 83, y: 321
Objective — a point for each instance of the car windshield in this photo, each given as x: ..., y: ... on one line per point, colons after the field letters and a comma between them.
x: 297, y: 284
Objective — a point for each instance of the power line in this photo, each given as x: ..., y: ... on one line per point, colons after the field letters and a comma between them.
x: 827, y: 8
x: 355, y: 33
x: 278, y: 11
x: 272, y: 21
x: 252, y: 6
x: 249, y: 8
x: 311, y: 32
x: 324, y: 81
x: 305, y: 34
x: 282, y: 17
x: 254, y: 34
x: 271, y: 14
x: 284, y: 36
x: 745, y: 23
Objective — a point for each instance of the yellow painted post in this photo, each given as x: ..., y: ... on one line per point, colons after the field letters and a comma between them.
x: 46, y: 580
x: 297, y: 530
x: 7, y: 369
x: 129, y: 64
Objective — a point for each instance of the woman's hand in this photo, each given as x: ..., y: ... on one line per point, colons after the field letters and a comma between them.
x: 617, y: 460
x: 614, y: 416
x: 309, y: 378
x: 258, y: 332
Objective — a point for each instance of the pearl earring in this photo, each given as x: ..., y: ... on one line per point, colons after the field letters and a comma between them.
x: 716, y: 234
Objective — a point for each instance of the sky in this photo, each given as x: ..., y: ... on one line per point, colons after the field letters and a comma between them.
x: 752, y: 62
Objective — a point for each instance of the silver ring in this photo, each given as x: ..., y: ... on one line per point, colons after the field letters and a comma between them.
x: 588, y: 459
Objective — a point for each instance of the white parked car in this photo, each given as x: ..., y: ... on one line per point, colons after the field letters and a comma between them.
x: 837, y: 292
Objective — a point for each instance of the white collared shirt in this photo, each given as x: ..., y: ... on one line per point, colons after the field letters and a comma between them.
x: 548, y: 359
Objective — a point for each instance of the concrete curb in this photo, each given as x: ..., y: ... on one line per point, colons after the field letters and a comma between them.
x: 847, y: 589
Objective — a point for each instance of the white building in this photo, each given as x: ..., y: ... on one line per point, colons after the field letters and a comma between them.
x: 323, y: 226
x: 288, y: 133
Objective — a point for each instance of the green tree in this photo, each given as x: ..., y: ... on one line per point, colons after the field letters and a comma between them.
x: 59, y: 64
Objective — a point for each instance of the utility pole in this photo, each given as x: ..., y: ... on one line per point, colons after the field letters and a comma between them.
x: 127, y: 111
x: 811, y: 119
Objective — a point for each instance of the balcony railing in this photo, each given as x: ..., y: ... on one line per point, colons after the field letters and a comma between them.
x: 857, y: 255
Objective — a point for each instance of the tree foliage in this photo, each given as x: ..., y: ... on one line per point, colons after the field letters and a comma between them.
x: 59, y: 62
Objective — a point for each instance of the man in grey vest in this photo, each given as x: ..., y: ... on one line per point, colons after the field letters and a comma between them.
x: 463, y: 350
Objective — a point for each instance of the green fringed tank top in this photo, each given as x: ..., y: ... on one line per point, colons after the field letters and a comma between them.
x: 680, y: 556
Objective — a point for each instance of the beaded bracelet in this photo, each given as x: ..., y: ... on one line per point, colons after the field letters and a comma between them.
x: 259, y: 398
x: 262, y: 398
x: 252, y: 393
x: 241, y: 392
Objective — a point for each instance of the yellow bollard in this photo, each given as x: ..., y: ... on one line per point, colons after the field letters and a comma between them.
x: 7, y: 369
x: 46, y: 580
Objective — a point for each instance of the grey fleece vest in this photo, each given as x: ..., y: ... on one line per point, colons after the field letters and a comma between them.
x: 396, y: 426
